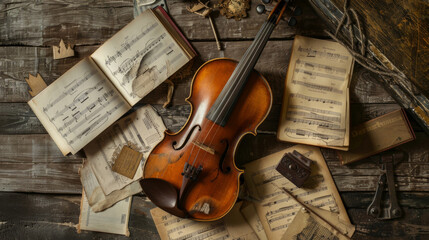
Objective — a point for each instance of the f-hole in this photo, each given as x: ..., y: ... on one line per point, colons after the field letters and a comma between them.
x: 222, y: 158
x: 187, y: 138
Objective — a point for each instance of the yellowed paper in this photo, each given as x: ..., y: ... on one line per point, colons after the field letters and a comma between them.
x: 309, y: 226
x: 78, y: 106
x: 275, y: 209
x: 136, y: 58
x: 249, y: 212
x: 315, y: 108
x: 142, y: 129
x: 62, y: 51
x: 232, y: 226
x: 113, y: 220
x: 96, y: 197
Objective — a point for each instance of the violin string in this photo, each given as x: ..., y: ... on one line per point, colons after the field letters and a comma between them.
x: 259, y: 42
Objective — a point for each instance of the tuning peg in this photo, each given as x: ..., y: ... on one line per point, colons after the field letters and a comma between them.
x: 261, y: 9
x: 266, y: 1
x: 297, y: 11
x: 291, y: 21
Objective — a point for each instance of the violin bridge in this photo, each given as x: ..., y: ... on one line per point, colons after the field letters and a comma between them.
x: 204, y: 147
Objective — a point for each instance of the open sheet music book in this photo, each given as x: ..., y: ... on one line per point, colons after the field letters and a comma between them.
x: 101, y: 88
x: 315, y: 108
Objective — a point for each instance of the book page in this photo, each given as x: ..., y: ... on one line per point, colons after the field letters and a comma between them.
x: 275, y: 209
x: 112, y: 220
x: 78, y: 106
x: 232, y: 226
x: 140, y: 57
x: 142, y: 130
x: 315, y: 107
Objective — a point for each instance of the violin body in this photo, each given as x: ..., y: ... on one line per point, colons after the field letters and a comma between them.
x: 208, y: 146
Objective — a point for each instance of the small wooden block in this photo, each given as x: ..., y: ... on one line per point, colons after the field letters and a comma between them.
x: 36, y: 84
x: 127, y: 162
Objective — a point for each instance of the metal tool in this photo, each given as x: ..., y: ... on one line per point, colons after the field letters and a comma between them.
x: 394, y: 210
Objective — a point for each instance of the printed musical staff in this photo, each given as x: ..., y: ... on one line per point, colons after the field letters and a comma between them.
x: 315, y: 99
x: 127, y: 45
x: 312, y: 122
x: 317, y: 86
x: 125, y: 66
x: 321, y: 67
x: 315, y: 116
x: 323, y: 54
x: 317, y: 74
x: 315, y: 135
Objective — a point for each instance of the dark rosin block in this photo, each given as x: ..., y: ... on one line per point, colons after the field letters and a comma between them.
x: 295, y: 167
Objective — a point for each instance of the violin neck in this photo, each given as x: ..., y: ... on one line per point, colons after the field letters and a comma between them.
x: 222, y: 108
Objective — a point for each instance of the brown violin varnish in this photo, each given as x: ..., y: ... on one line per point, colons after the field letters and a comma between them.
x: 127, y: 162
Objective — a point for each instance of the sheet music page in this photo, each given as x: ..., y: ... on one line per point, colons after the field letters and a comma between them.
x: 315, y: 107
x: 232, y: 226
x: 78, y: 106
x: 112, y: 220
x: 96, y: 197
x: 140, y: 57
x: 142, y: 129
x: 275, y: 209
x: 249, y: 212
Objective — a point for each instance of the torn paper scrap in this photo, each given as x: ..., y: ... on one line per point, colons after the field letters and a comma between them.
x: 62, y: 51
x: 36, y: 84
x: 112, y: 220
x: 142, y: 129
x: 249, y: 212
x: 232, y: 226
x: 95, y: 195
x: 306, y: 225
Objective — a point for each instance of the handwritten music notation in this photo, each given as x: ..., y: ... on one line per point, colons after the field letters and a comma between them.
x: 323, y: 54
x: 318, y: 87
x: 315, y: 99
x: 127, y: 45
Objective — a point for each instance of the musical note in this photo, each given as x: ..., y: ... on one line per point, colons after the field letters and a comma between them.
x: 318, y: 87
x: 315, y: 99
x: 126, y: 46
x: 317, y: 74
x: 314, y: 116
x: 324, y: 54
x: 312, y: 122
x: 320, y: 67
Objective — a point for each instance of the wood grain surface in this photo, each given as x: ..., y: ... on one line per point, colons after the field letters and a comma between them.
x: 40, y: 189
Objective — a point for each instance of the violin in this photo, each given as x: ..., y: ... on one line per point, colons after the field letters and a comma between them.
x: 192, y: 173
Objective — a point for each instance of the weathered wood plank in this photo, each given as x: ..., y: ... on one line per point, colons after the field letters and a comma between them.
x: 272, y: 64
x: 48, y: 171
x: 18, y: 118
x: 56, y: 216
x: 400, y: 31
x: 87, y: 23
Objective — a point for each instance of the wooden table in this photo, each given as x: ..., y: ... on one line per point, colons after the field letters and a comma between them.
x: 40, y: 189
